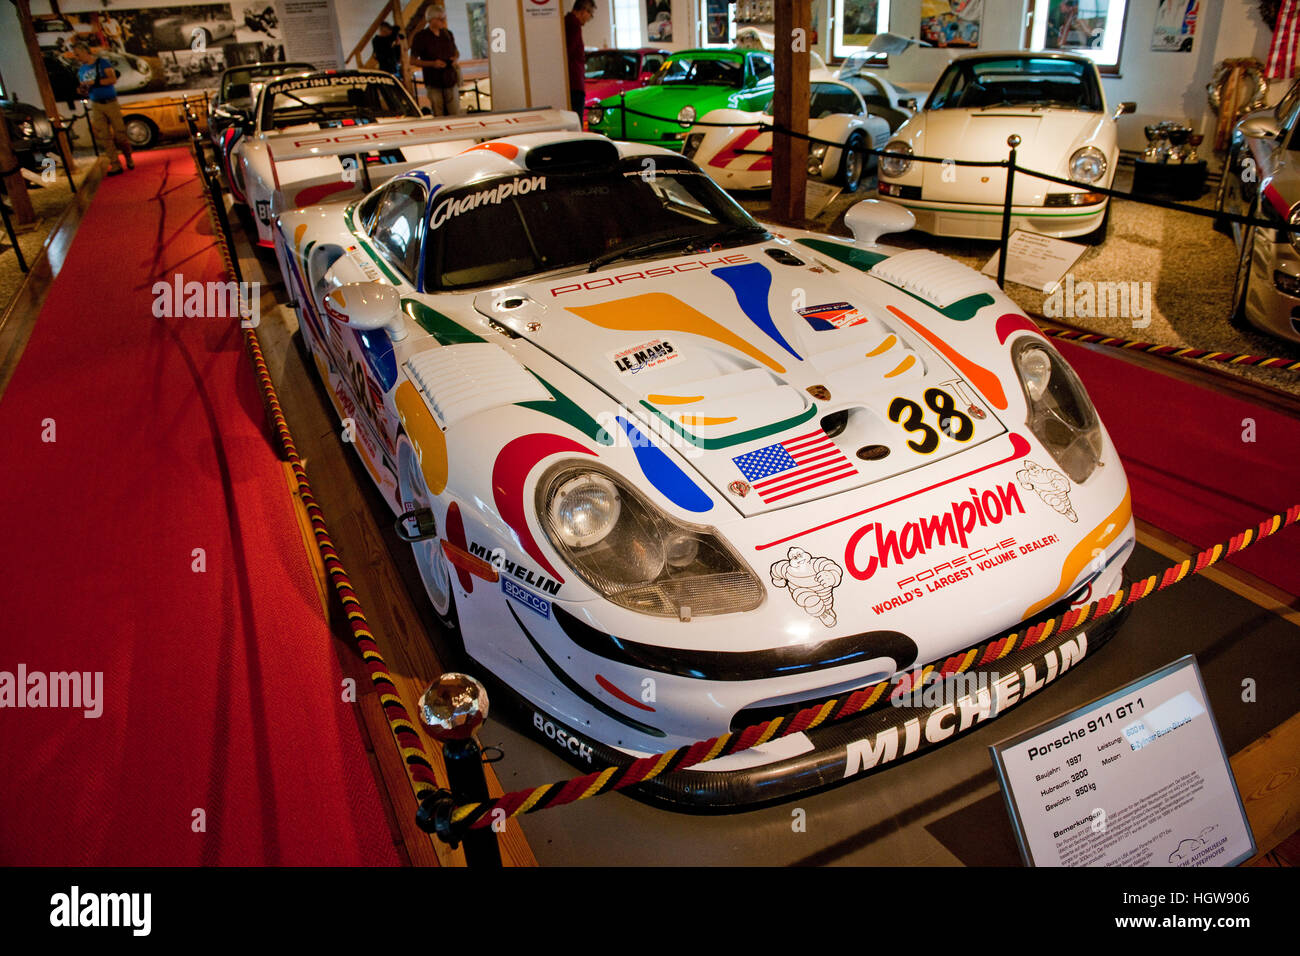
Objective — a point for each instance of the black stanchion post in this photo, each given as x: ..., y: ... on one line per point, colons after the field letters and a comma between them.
x: 451, y: 710
x: 1013, y: 141
x: 13, y: 239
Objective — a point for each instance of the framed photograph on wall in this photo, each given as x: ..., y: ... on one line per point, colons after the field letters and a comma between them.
x: 1175, y: 26
x: 951, y: 23
x: 658, y: 21
x: 1094, y: 28
x: 856, y: 24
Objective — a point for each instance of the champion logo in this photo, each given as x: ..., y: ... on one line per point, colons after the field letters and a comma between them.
x: 950, y: 527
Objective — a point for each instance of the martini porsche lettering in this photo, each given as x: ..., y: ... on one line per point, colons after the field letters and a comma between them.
x: 565, y: 740
x: 504, y: 565
x: 992, y: 507
x: 449, y: 208
x: 959, y: 716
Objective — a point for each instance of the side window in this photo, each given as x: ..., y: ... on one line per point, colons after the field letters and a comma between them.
x: 395, y: 227
x: 652, y: 63
x: 761, y: 65
x: 366, y: 211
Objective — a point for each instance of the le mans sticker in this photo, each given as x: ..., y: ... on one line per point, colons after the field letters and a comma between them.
x: 643, y: 357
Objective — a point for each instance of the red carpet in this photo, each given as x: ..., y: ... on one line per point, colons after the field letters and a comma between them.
x: 223, y: 737
x: 1190, y: 471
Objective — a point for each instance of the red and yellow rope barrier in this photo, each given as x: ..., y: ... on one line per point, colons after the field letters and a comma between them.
x: 1172, y: 351
x: 416, y: 760
x: 556, y: 794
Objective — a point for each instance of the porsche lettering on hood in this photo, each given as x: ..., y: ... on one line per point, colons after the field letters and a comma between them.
x: 716, y: 356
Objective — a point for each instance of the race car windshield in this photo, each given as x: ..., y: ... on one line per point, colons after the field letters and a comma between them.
x: 329, y: 100
x: 729, y: 73
x: 540, y: 222
x: 238, y: 84
x: 1019, y: 81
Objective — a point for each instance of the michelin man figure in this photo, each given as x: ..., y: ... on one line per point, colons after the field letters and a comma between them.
x: 1050, y: 485
x: 811, y: 581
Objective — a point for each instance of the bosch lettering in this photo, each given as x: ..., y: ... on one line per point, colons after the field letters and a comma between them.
x: 562, y: 737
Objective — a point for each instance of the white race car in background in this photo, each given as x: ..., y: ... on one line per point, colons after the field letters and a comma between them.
x: 672, y: 475
x: 731, y: 148
x: 886, y: 99
x: 1054, y: 102
x: 339, y: 133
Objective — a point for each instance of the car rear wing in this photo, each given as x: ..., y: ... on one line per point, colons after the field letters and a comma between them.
x: 344, y: 140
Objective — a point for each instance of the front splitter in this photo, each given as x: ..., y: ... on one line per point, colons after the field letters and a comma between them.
x: 894, y: 730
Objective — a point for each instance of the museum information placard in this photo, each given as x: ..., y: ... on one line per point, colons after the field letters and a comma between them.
x: 1138, y: 778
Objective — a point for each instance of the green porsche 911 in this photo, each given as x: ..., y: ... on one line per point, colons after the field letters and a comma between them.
x: 689, y: 84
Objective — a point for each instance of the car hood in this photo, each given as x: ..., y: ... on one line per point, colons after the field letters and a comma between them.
x: 742, y: 364
x: 1047, y: 138
x: 667, y: 101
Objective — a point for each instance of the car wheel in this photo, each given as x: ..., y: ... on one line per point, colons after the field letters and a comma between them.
x: 1098, y: 235
x: 434, y: 573
x: 852, y: 163
x: 1241, y: 280
x: 141, y: 132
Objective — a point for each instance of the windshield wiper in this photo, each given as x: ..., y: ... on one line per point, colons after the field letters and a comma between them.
x: 638, y: 248
x: 691, y: 240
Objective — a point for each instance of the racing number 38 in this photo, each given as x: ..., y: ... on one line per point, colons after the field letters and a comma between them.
x: 954, y: 423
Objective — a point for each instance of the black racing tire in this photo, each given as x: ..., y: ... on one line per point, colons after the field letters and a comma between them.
x: 141, y: 132
x: 853, y: 164
x: 1241, y: 280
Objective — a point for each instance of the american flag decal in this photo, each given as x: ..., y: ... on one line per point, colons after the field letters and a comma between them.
x: 794, y: 466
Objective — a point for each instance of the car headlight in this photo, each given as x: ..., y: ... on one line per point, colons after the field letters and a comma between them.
x: 639, y: 558
x: 1061, y: 415
x: 595, y: 115
x: 687, y: 116
x: 816, y: 157
x: 692, y: 145
x: 1087, y: 165
x: 1294, y: 220
x: 892, y: 165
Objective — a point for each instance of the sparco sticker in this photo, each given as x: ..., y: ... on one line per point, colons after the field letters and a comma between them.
x: 643, y: 357
x: 456, y: 205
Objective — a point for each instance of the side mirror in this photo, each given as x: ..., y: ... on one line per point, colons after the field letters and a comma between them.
x: 909, y: 104
x: 1128, y: 106
x: 367, y: 306
x: 873, y: 218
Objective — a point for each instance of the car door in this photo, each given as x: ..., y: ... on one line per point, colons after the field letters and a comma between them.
x: 364, y: 360
x: 758, y: 82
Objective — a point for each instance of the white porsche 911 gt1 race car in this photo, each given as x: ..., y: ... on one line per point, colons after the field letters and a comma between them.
x: 341, y: 132
x: 670, y: 474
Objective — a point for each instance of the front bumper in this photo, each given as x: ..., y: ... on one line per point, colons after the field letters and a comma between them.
x: 880, y: 735
x: 1269, y: 303
x: 978, y: 221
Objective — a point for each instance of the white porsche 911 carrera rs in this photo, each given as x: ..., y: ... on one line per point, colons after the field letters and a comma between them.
x: 669, y: 474
x: 1054, y: 102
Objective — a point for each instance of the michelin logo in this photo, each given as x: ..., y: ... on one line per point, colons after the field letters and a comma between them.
x: 495, y: 196
x: 534, y: 602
